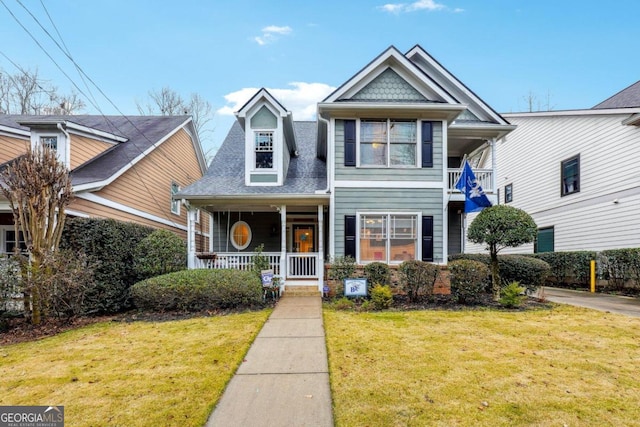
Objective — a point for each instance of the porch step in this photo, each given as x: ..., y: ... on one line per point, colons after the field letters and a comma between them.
x: 301, y: 291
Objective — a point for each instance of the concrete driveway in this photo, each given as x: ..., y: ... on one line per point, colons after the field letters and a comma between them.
x: 597, y: 301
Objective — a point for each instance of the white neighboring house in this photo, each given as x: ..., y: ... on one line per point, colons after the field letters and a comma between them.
x: 577, y: 173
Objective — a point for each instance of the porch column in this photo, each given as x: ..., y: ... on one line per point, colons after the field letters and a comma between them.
x: 494, y: 167
x: 191, y: 238
x: 320, y: 265
x: 210, y: 231
x: 283, y: 241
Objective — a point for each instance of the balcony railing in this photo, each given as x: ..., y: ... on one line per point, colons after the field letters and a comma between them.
x: 483, y: 176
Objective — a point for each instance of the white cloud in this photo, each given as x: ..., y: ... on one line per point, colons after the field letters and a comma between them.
x: 430, y: 5
x: 301, y: 99
x: 270, y: 33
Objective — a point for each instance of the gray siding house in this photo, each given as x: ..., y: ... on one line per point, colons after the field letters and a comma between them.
x: 373, y: 177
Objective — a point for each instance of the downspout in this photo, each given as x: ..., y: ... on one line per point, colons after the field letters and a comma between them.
x: 330, y: 168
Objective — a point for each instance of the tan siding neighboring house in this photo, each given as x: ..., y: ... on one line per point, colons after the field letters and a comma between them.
x: 10, y: 147
x: 84, y: 149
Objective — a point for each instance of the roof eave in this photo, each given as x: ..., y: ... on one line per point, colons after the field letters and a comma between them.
x: 361, y: 109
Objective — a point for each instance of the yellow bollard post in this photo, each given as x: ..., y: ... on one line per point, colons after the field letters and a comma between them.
x: 593, y: 275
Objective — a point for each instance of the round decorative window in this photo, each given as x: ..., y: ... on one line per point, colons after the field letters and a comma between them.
x: 240, y: 235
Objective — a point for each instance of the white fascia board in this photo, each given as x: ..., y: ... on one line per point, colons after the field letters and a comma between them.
x: 390, y: 184
x: 360, y: 109
x: 494, y: 131
x: 256, y: 99
x: 94, y: 133
x: 97, y: 185
x: 589, y: 112
x: 14, y: 132
x: 190, y: 129
x: 417, y: 50
x: 123, y: 208
x: 391, y: 53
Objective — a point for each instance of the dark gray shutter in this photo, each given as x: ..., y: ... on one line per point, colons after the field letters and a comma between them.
x: 350, y: 235
x: 349, y: 142
x: 427, y: 144
x: 427, y: 238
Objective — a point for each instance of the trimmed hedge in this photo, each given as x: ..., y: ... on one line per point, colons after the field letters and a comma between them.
x: 620, y: 266
x: 529, y: 272
x: 469, y: 280
x: 109, y: 246
x: 568, y: 268
x: 197, y: 290
x: 377, y: 273
x: 418, y: 278
x: 161, y: 252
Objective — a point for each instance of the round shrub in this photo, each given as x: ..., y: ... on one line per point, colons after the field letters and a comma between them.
x: 161, y: 252
x: 468, y: 280
x: 197, y: 290
x: 377, y: 273
x: 381, y: 297
x: 418, y: 278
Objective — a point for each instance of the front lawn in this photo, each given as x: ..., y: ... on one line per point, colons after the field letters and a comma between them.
x: 131, y: 374
x: 564, y: 366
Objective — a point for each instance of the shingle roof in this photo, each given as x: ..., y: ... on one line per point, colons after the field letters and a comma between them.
x: 141, y: 133
x: 225, y: 176
x: 628, y: 97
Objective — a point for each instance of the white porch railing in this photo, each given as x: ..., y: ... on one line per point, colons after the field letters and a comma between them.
x: 298, y: 265
x: 483, y: 176
x: 303, y: 265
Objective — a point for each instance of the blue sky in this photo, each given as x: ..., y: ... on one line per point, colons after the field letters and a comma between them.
x: 568, y: 54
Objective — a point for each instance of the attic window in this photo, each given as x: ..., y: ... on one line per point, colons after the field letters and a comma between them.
x: 50, y: 142
x: 264, y: 150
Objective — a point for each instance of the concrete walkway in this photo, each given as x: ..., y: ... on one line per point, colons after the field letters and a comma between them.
x: 284, y: 379
x: 597, y: 301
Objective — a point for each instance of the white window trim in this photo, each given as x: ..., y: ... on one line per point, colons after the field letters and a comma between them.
x: 175, y: 203
x: 197, y: 221
x: 274, y: 134
x: 417, y: 214
x: 418, y: 124
x: 63, y: 150
x: 3, y: 238
x: 233, y: 241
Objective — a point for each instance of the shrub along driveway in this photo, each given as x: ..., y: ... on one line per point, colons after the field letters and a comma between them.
x: 564, y: 366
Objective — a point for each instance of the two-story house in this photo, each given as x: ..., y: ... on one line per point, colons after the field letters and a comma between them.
x: 125, y: 168
x: 576, y: 173
x: 373, y: 177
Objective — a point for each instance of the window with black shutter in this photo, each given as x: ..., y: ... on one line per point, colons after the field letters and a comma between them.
x: 427, y: 144
x: 349, y: 142
x: 350, y: 235
x: 427, y: 238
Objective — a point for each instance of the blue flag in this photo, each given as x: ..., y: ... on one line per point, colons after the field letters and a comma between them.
x: 474, y: 197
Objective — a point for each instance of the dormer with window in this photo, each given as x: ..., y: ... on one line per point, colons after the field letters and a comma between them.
x: 73, y: 143
x: 269, y: 140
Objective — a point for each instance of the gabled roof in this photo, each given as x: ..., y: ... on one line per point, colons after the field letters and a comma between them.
x: 306, y: 175
x: 391, y: 57
x: 134, y: 137
x: 260, y: 97
x: 628, y: 97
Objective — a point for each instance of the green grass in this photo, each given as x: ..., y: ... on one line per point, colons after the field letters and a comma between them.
x: 565, y: 366
x: 131, y: 374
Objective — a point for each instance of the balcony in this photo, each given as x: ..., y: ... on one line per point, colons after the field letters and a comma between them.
x: 483, y: 176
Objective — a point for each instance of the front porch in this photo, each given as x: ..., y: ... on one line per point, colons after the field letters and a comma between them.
x: 291, y: 237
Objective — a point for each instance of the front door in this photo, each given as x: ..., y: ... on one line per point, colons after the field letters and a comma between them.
x: 303, y: 238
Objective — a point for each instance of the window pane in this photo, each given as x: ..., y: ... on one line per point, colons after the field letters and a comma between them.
x: 403, y: 154
x: 373, y: 154
x: 403, y: 231
x: 240, y: 235
x: 264, y: 150
x: 373, y: 143
x: 373, y: 238
x: 403, y: 132
x: 49, y: 141
x: 570, y: 176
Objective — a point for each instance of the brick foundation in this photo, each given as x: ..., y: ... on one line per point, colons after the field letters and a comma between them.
x: 441, y: 287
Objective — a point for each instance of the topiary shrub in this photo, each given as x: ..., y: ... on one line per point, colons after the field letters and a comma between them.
x: 197, y: 290
x: 377, y: 273
x: 469, y: 280
x: 381, y: 297
x: 418, y: 278
x: 161, y: 252
x: 109, y: 246
x: 512, y: 295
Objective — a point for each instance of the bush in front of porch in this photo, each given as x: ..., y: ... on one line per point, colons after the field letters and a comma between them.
x: 198, y: 290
